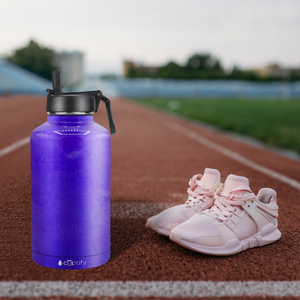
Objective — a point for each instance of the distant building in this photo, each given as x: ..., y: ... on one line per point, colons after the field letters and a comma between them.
x: 71, y: 67
x: 130, y: 67
x: 274, y: 71
x: 127, y: 66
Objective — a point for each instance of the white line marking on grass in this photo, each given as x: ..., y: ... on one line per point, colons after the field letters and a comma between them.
x: 234, y: 155
x: 182, y: 289
x: 14, y: 146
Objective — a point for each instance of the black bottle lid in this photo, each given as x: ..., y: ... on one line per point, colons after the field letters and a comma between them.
x: 75, y: 103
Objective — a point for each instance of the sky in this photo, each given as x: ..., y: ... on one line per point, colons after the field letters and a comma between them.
x: 248, y: 33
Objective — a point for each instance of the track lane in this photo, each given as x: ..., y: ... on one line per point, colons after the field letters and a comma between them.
x: 19, y: 115
x: 145, y: 155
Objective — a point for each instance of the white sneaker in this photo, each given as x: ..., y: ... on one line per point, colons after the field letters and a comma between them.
x: 200, y: 197
x: 238, y: 220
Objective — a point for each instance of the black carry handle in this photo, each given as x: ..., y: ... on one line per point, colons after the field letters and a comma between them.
x: 99, y: 96
x: 109, y: 114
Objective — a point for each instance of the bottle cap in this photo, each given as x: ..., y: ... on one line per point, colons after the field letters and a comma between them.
x: 78, y: 103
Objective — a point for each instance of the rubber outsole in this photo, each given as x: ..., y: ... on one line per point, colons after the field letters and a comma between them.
x: 265, y: 236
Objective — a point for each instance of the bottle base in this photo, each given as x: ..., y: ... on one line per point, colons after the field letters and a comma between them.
x: 71, y: 263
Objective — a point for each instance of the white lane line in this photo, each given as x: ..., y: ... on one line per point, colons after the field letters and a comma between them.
x: 145, y: 178
x: 136, y: 210
x: 14, y: 146
x: 234, y: 155
x: 182, y: 289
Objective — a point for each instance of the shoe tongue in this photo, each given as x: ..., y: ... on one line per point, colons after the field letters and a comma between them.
x: 234, y: 181
x: 209, y: 178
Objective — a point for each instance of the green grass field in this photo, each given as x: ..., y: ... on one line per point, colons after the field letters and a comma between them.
x: 276, y: 123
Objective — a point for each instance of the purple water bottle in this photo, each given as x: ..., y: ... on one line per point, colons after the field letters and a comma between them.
x: 70, y: 182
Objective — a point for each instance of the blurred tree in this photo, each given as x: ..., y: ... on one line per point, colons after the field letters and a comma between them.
x: 170, y: 71
x: 203, y: 66
x: 203, y: 62
x: 198, y: 66
x: 135, y: 73
x: 237, y: 73
x: 35, y: 58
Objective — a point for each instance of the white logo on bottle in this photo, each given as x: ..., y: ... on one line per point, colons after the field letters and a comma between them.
x: 72, y: 263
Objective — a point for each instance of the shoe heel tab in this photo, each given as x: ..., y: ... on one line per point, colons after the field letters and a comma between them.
x: 267, y: 196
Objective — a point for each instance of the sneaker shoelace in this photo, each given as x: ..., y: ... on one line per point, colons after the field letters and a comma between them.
x: 228, y: 204
x: 195, y: 198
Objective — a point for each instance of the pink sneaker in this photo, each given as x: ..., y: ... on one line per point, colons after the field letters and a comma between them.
x: 200, y: 197
x: 238, y: 220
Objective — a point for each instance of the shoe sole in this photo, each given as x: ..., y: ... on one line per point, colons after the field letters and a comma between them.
x: 151, y: 225
x: 267, y: 235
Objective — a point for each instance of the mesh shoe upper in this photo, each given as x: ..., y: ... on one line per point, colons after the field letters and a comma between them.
x: 200, y: 198
x: 199, y: 225
x: 235, y: 214
x: 176, y: 214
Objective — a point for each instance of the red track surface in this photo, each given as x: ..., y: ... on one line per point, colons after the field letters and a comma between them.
x: 150, y: 163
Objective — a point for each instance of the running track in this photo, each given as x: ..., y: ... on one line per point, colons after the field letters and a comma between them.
x: 153, y: 157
